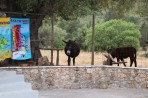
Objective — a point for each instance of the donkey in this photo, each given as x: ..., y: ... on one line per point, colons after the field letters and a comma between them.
x: 72, y: 50
x: 122, y: 53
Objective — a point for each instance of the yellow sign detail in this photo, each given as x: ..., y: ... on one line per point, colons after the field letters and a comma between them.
x: 4, y: 21
x: 5, y: 53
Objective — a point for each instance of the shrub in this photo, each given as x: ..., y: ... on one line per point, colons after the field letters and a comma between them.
x: 114, y: 33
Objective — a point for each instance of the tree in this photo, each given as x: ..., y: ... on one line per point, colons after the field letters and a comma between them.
x: 142, y: 10
x: 45, y: 35
x: 115, y: 33
x: 36, y: 10
x: 76, y: 29
x: 118, y: 6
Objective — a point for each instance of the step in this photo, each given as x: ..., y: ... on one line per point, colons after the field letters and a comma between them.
x: 12, y: 85
x: 18, y: 86
x: 20, y: 94
x: 12, y: 79
x: 13, y: 76
x: 7, y: 73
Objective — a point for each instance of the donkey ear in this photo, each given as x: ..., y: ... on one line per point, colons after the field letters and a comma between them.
x: 64, y: 41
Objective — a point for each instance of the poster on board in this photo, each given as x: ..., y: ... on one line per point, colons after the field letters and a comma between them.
x: 20, y: 28
x: 5, y: 38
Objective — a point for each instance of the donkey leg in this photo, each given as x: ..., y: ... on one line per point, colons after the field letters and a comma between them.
x: 131, y: 61
x: 123, y: 62
x: 134, y: 60
x: 135, y: 63
x: 69, y: 61
x: 74, y: 61
x: 118, y: 61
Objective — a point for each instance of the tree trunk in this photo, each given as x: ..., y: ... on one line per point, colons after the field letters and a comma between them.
x: 34, y: 25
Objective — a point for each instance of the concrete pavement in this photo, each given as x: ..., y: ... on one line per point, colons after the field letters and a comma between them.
x: 94, y: 93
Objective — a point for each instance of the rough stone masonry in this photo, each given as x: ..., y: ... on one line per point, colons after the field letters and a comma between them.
x: 77, y: 77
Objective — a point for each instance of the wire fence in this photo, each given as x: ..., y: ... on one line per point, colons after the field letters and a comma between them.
x: 84, y: 58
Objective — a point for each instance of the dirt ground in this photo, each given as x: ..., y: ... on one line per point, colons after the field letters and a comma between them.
x: 84, y: 58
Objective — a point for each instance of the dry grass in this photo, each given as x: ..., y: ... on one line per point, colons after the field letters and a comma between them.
x: 84, y: 58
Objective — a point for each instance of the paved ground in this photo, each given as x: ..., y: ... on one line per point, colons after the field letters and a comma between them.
x: 94, y: 93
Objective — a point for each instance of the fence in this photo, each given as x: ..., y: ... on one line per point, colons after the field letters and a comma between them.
x: 84, y: 58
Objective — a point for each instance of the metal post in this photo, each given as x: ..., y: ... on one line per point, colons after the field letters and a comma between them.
x: 93, y: 32
x: 57, y: 61
x: 52, y: 38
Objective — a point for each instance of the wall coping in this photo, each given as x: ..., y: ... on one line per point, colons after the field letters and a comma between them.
x: 90, y: 66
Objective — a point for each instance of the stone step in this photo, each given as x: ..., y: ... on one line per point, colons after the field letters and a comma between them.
x: 18, y: 86
x: 6, y: 73
x: 13, y: 76
x: 20, y: 94
x: 12, y: 85
x: 12, y: 79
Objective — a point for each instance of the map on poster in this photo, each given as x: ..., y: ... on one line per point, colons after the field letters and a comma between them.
x: 5, y: 38
x: 20, y: 28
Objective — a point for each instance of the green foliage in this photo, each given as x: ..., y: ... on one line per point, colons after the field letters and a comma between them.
x: 45, y: 35
x: 114, y: 33
x: 3, y: 42
x: 58, y: 37
x: 144, y: 31
x: 76, y: 29
x: 27, y: 5
x: 143, y: 8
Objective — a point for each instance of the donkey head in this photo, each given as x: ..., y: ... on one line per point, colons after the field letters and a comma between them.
x: 69, y: 47
x: 109, y: 60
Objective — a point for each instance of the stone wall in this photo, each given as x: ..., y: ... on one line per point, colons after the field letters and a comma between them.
x: 75, y: 77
